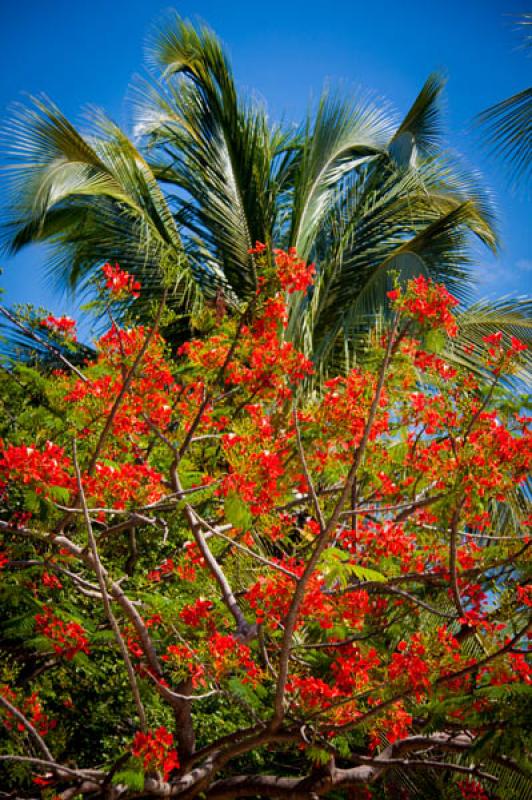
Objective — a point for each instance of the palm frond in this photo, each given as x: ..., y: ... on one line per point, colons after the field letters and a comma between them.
x: 92, y: 198
x: 420, y: 132
x: 512, y: 316
x: 407, y: 221
x: 341, y: 136
x: 508, y: 130
x: 213, y: 148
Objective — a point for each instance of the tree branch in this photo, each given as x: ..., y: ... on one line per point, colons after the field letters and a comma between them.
x: 105, y: 597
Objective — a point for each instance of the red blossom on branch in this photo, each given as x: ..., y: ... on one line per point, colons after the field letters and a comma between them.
x: 282, y: 547
x: 67, y: 638
x: 60, y: 326
x: 427, y: 302
x: 120, y: 283
x: 156, y: 751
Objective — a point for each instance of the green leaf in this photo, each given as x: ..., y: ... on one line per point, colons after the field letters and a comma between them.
x: 435, y: 341
x: 59, y: 493
x: 31, y: 501
x: 319, y: 756
x: 131, y: 778
x: 237, y: 512
x: 336, y: 567
x: 244, y: 691
x: 367, y: 574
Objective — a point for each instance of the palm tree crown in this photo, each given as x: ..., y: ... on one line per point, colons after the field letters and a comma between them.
x: 205, y: 175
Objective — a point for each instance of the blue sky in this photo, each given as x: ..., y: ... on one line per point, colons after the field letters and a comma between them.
x: 86, y: 52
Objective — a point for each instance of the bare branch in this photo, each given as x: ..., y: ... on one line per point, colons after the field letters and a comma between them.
x: 245, y: 630
x: 105, y: 597
x: 34, y: 734
x: 243, y: 548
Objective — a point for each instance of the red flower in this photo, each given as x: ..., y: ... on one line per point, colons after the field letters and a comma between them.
x: 427, y: 302
x: 61, y: 326
x: 182, y: 657
x: 156, y: 750
x: 409, y: 664
x: 228, y: 654
x: 259, y: 248
x: 51, y: 581
x: 493, y: 338
x: 517, y: 346
x: 120, y: 283
x: 67, y: 638
x: 196, y: 612
x: 39, y: 780
x: 293, y: 273
x: 472, y: 790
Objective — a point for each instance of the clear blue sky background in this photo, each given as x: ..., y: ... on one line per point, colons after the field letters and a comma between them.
x: 86, y: 52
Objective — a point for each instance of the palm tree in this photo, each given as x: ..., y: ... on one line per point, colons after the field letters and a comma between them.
x: 508, y: 124
x: 206, y: 175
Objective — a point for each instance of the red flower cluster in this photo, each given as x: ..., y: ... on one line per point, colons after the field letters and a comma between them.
x: 408, y: 663
x: 311, y: 692
x: 495, y: 340
x: 113, y: 486
x: 156, y: 751
x: 165, y: 568
x: 227, y: 655
x: 44, y: 469
x: 187, y: 663
x: 152, y: 389
x: 472, y: 790
x: 294, y: 274
x: 259, y: 248
x: 127, y: 483
x: 426, y: 302
x: 32, y: 709
x: 353, y: 668
x: 393, y: 726
x: 120, y: 283
x: 60, y: 326
x: 67, y: 638
x: 51, y: 581
x: 196, y: 612
x: 500, y: 356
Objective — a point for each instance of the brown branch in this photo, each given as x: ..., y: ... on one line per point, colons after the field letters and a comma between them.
x: 387, y: 589
x: 80, y: 774
x: 34, y: 734
x: 245, y: 630
x: 321, y: 782
x: 243, y: 548
x: 308, y: 477
x: 452, y: 559
x: 323, y: 539
x: 118, y: 594
x: 102, y: 583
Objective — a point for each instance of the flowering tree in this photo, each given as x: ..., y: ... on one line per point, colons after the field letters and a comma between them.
x: 218, y: 586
